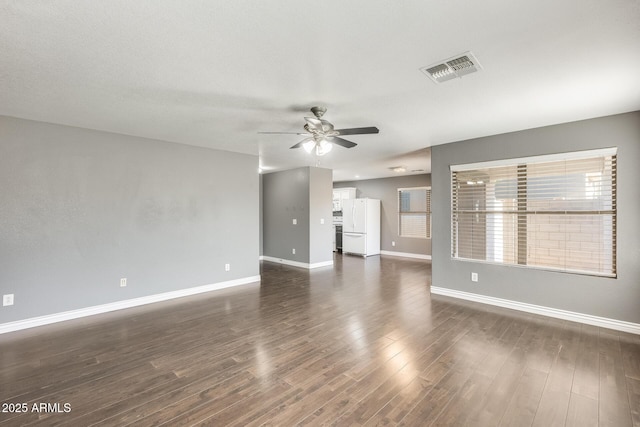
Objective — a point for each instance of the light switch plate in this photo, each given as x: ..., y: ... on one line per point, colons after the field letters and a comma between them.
x: 7, y: 300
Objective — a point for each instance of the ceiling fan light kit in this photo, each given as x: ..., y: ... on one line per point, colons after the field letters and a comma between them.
x: 322, y: 135
x: 321, y: 147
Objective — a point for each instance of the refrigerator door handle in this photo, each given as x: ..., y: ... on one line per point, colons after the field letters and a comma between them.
x: 353, y: 214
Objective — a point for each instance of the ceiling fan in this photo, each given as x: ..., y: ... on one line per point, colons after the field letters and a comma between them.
x: 322, y: 135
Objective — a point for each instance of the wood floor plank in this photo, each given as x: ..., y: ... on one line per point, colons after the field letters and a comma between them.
x: 212, y: 400
x: 633, y: 386
x: 362, y: 343
x: 140, y: 405
x: 554, y: 403
x: 394, y: 411
x: 523, y: 404
x: 507, y: 380
x: 114, y: 388
x: 586, y: 379
x: 300, y: 406
x: 504, y: 384
x: 630, y: 357
x: 483, y: 401
x: 466, y: 402
x: 463, y: 359
x: 613, y: 399
x: 583, y: 411
x: 433, y: 364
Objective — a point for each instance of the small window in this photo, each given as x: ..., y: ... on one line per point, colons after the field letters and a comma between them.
x: 414, y: 212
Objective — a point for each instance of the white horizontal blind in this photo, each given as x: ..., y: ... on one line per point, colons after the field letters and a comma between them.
x: 557, y: 214
x: 414, y: 212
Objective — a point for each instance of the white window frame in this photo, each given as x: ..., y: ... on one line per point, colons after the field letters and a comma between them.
x: 427, y: 212
x: 478, y: 167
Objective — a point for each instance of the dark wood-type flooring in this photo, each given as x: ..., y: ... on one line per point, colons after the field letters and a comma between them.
x: 363, y: 343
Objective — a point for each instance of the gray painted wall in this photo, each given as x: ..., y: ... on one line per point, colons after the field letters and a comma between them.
x: 80, y: 209
x: 611, y: 298
x: 303, y: 194
x: 320, y: 210
x: 261, y: 222
x: 386, y: 190
x: 285, y: 196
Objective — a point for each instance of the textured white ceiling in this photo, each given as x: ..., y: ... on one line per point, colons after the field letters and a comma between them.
x: 214, y: 73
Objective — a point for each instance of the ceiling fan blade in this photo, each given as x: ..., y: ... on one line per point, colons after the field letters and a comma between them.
x: 326, y: 126
x: 358, y: 131
x: 284, y: 133
x: 299, y: 144
x: 342, y: 142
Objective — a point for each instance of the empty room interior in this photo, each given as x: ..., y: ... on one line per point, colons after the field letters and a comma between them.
x: 283, y: 213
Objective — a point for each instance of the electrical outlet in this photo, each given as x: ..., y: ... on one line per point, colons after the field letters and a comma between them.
x: 295, y: 221
x: 393, y: 243
x: 123, y: 282
x: 293, y: 251
x: 474, y: 277
x: 321, y: 221
x: 227, y: 267
x: 7, y: 300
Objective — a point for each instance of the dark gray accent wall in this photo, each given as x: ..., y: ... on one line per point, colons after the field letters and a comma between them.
x: 605, y: 297
x: 303, y: 194
x: 285, y: 197
x: 81, y: 209
x: 386, y: 190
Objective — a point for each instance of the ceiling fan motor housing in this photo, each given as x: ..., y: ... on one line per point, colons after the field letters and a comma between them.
x: 318, y: 111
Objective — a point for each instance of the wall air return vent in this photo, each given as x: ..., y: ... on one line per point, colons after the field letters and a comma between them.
x: 457, y: 66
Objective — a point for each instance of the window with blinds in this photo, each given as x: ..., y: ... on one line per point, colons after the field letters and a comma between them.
x: 414, y: 212
x: 554, y: 212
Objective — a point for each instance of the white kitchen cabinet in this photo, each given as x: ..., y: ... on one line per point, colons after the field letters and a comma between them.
x: 340, y: 194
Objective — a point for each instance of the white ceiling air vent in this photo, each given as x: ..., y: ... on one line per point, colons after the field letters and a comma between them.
x: 457, y: 66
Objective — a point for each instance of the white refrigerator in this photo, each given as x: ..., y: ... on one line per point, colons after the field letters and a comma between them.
x: 361, y: 226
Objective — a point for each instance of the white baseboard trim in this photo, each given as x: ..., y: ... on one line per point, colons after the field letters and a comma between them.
x: 297, y: 263
x: 603, y: 322
x: 119, y: 305
x: 405, y: 254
